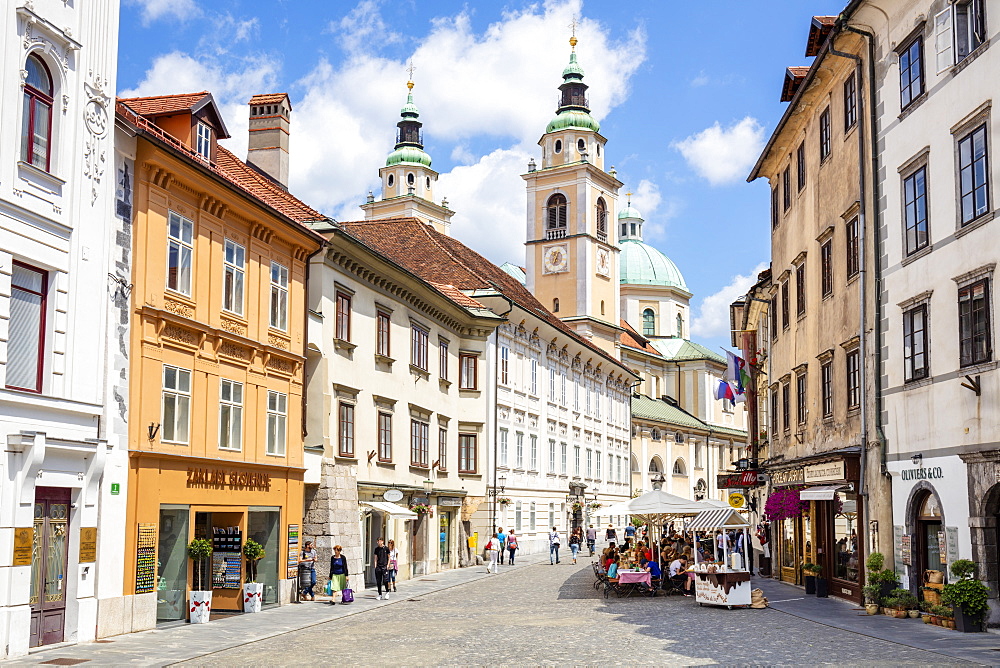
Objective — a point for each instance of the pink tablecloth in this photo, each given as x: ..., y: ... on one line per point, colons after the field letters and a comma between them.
x: 628, y: 577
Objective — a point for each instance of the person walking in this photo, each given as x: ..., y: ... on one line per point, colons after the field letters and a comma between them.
x: 629, y: 531
x: 492, y: 550
x: 611, y: 534
x: 553, y: 547
x: 511, y: 546
x: 307, y: 567
x: 380, y: 559
x: 339, y: 577
x: 390, y: 573
x: 503, y: 542
x: 574, y: 542
x: 591, y: 539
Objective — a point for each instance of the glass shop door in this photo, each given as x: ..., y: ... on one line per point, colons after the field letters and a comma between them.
x: 50, y: 551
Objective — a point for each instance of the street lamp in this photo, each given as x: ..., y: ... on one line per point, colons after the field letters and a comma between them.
x: 428, y: 487
x: 657, y: 481
x: 495, y: 492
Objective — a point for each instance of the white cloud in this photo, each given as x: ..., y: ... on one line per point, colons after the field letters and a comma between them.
x: 646, y: 198
x: 723, y: 155
x: 153, y: 10
x: 701, y: 80
x: 363, y: 28
x: 713, y: 316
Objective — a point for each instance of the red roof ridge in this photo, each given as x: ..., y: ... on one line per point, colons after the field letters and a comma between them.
x: 157, y: 97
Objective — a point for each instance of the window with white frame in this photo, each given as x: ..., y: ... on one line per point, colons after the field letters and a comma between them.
x: 552, y: 385
x: 590, y: 463
x: 915, y: 364
x: 552, y: 515
x: 233, y: 277
x: 204, y: 145
x: 563, y: 380
x: 443, y: 359
x: 419, y: 435
x: 180, y: 252
x: 502, y: 455
x: 532, y: 518
x: 576, y: 460
x: 504, y: 365
x: 230, y: 414
x: 384, y: 436
x: 534, y: 453
x: 277, y: 419
x: 176, y: 405
x: 958, y: 31
x: 443, y: 449
x: 519, y: 450
x: 345, y: 435
x: 517, y: 515
x: 279, y: 296
x: 418, y: 347
x: 469, y: 368
x: 562, y: 453
x: 973, y: 175
x: 26, y: 327
x: 36, y: 125
x: 552, y: 455
x: 534, y: 377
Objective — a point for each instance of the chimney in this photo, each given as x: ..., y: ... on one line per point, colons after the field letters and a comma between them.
x: 267, y: 151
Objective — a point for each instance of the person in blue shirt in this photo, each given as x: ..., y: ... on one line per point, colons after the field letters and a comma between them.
x: 503, y: 542
x: 630, y: 531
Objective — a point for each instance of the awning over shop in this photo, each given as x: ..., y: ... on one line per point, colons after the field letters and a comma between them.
x: 723, y: 518
x: 392, y: 510
x: 825, y: 493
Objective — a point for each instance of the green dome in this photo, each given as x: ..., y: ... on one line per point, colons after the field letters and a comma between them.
x: 573, y: 70
x: 572, y: 118
x: 641, y: 264
x: 409, y: 109
x: 628, y: 212
x: 408, y: 154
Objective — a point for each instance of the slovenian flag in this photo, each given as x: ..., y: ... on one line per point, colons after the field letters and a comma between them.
x: 736, y: 372
x: 725, y: 391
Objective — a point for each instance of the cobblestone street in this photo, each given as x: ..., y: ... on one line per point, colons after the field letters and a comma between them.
x: 552, y: 615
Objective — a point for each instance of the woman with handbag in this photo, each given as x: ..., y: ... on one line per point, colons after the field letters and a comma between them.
x: 575, y: 539
x: 511, y: 546
x: 338, y: 575
x: 493, y: 552
x: 390, y: 573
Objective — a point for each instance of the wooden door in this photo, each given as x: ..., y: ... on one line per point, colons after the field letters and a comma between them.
x: 50, y: 552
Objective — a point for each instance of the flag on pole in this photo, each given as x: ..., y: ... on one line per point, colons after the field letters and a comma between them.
x: 725, y: 391
x: 736, y: 372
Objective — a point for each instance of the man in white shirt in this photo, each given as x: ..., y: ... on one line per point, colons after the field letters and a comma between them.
x: 553, y: 547
x: 678, y: 574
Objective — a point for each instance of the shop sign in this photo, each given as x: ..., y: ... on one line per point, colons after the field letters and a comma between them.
x: 737, y: 480
x: 24, y: 538
x: 943, y: 546
x: 922, y: 473
x: 88, y: 545
x: 787, y: 477
x: 221, y: 478
x: 906, y: 549
x: 450, y: 501
x: 116, y: 488
x: 737, y: 500
x: 952, y: 540
x: 825, y: 472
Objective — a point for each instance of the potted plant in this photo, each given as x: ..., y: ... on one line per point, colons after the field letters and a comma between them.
x: 894, y: 607
x: 200, y: 551
x: 943, y: 616
x: 884, y: 578
x: 503, y: 501
x: 967, y: 597
x: 577, y: 506
x: 422, y: 509
x: 871, y: 594
x: 808, y: 577
x: 903, y: 602
x: 822, y: 584
x: 252, y: 590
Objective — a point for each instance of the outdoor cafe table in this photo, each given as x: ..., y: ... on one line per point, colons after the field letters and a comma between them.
x: 633, y: 581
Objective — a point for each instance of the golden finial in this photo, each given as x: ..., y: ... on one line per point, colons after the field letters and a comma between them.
x: 573, y: 40
x: 409, y: 70
x: 629, y: 195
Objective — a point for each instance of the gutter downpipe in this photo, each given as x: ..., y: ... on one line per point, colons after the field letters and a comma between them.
x: 496, y: 406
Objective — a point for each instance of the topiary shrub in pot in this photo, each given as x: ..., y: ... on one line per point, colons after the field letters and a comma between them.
x: 253, y: 591
x: 822, y: 584
x: 808, y: 578
x: 200, y: 551
x: 967, y: 597
x: 871, y: 594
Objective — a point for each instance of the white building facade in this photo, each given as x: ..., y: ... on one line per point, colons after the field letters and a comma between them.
x: 939, y: 379
x: 64, y: 270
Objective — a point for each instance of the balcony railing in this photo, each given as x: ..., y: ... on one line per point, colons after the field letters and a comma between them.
x: 602, y: 236
x: 574, y: 101
x: 559, y: 233
x: 410, y: 137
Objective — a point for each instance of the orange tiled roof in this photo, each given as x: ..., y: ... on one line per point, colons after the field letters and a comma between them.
x: 457, y: 296
x: 794, y: 76
x: 819, y: 30
x: 442, y: 260
x: 161, y: 105
x: 632, y: 339
x: 232, y: 169
x: 269, y: 98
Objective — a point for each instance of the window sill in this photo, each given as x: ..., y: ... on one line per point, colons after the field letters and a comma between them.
x: 974, y: 224
x: 346, y: 458
x: 916, y: 255
x: 463, y: 391
x: 851, y: 130
x: 917, y: 383
x: 341, y: 344
x: 384, y: 359
x: 419, y: 468
x: 971, y: 56
x: 979, y: 367
x: 417, y: 371
x: 231, y: 450
x: 275, y: 454
x: 470, y: 474
x: 853, y: 277
x: 385, y: 465
x: 39, y: 176
x: 912, y: 106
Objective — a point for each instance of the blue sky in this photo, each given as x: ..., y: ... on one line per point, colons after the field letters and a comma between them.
x: 686, y: 94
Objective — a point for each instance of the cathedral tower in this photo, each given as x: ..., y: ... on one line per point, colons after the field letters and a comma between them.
x: 407, y: 178
x: 572, y: 259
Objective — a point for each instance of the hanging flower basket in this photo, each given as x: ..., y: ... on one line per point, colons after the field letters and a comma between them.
x: 785, y: 504
x: 577, y: 506
x: 596, y: 506
x: 422, y: 509
x: 503, y: 501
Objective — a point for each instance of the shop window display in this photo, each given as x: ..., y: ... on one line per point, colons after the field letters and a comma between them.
x: 171, y: 590
x: 845, y: 536
x: 263, y: 528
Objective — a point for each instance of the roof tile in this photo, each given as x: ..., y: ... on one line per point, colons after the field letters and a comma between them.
x: 161, y: 105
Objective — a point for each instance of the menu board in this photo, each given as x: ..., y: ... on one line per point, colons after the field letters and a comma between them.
x: 145, y: 560
x: 293, y: 551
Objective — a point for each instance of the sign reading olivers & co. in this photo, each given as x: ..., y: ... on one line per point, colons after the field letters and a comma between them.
x: 221, y: 478
x: 922, y: 473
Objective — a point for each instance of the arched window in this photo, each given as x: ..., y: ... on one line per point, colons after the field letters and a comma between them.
x: 428, y: 183
x: 655, y: 434
x: 602, y: 307
x: 654, y: 465
x: 555, y: 213
x: 36, y: 131
x: 558, y: 146
x: 633, y: 463
x: 648, y: 322
x: 390, y: 180
x: 410, y: 179
x: 679, y: 468
x: 680, y: 326
x: 555, y: 305
x: 624, y: 229
x: 602, y: 219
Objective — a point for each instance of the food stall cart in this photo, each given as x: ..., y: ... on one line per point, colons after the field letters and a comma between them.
x: 725, y: 582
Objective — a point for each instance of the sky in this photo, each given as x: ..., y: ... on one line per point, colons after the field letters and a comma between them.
x: 686, y: 94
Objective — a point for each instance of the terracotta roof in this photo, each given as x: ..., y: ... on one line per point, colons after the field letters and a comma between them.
x: 819, y: 30
x: 794, y: 76
x: 457, y: 296
x: 442, y: 260
x: 232, y: 169
x: 631, y: 338
x: 161, y: 105
x: 270, y: 98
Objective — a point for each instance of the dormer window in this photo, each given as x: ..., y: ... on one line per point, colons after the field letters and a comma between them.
x: 204, y: 146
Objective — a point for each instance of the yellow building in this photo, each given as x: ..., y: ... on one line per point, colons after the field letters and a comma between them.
x: 217, y: 353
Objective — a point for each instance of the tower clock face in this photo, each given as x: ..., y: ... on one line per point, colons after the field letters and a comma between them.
x: 603, y: 262
x: 555, y: 259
